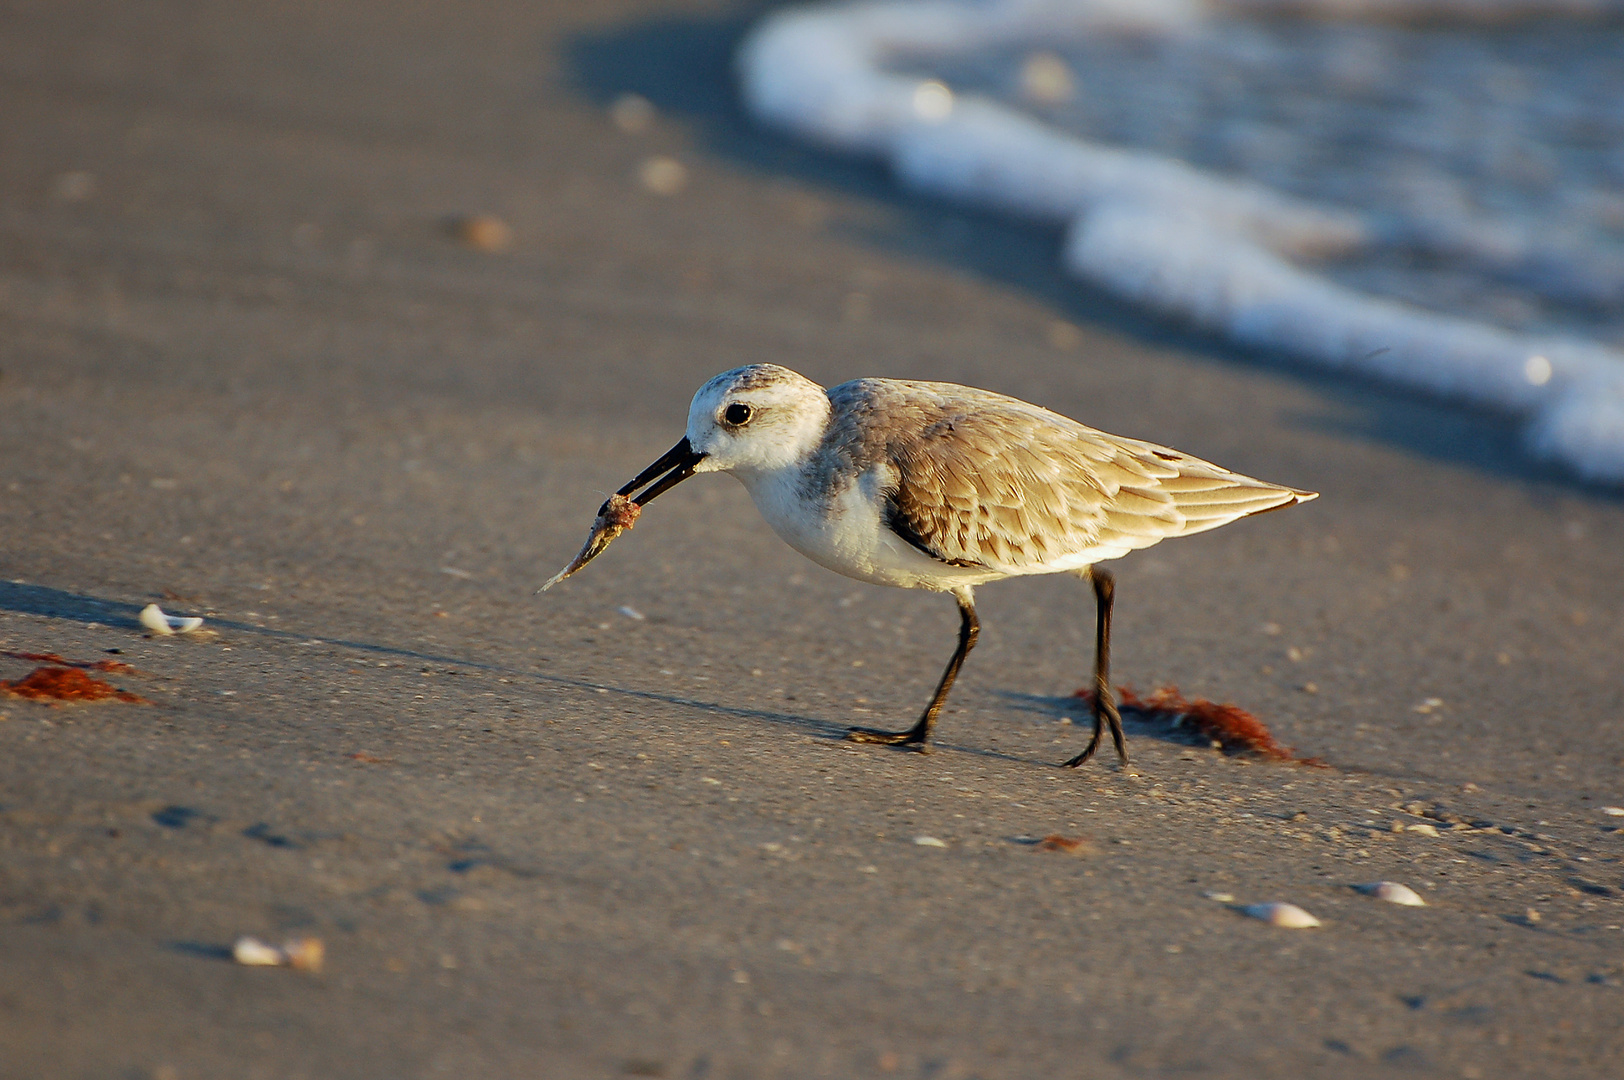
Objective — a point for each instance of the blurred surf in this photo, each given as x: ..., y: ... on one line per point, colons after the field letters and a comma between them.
x: 1437, y: 204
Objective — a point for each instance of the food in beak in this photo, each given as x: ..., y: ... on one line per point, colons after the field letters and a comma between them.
x: 617, y: 515
x: 619, y: 512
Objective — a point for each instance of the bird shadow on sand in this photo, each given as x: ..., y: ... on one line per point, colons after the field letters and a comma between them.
x: 54, y: 603
x: 1240, y: 735
x: 1137, y: 725
x: 43, y: 600
x: 90, y: 611
x: 202, y: 950
x: 1050, y: 709
x: 683, y: 64
x: 25, y: 599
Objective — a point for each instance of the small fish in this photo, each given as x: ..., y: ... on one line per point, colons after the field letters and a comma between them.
x: 615, y: 516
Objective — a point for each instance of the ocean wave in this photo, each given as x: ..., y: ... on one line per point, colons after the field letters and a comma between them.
x: 974, y: 101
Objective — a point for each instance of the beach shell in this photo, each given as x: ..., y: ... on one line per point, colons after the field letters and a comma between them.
x: 1288, y: 916
x: 154, y: 620
x: 484, y: 232
x: 304, y: 954
x: 929, y: 841
x: 1393, y: 893
x: 253, y: 952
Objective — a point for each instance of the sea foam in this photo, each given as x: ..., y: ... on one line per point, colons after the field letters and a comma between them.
x: 1233, y: 256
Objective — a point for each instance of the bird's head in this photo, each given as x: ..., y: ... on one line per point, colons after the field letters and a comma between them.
x: 756, y: 419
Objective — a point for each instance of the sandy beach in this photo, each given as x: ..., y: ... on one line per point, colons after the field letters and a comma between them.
x: 251, y: 370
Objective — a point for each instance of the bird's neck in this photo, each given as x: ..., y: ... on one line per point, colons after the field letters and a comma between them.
x: 783, y: 485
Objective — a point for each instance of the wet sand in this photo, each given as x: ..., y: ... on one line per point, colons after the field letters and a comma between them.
x: 249, y: 373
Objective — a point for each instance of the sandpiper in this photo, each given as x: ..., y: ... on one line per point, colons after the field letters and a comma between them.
x: 926, y: 485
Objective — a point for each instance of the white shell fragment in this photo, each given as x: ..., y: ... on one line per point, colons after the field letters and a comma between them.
x: 154, y: 620
x: 1393, y: 893
x: 1613, y: 811
x: 1288, y: 916
x: 253, y: 952
x: 929, y: 841
x: 305, y: 954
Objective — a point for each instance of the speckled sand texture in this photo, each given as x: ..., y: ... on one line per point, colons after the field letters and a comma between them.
x: 254, y: 371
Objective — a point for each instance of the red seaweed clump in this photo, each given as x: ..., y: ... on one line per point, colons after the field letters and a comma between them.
x: 54, y: 684
x: 1230, y: 726
x: 1069, y: 845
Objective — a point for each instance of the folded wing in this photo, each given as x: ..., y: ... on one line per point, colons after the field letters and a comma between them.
x: 1014, y: 488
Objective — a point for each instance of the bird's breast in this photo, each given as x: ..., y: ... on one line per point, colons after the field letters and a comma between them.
x: 842, y: 527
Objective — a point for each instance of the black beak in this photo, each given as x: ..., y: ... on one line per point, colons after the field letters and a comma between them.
x: 680, y: 459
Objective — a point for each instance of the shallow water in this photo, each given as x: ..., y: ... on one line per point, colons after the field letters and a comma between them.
x: 1490, y: 159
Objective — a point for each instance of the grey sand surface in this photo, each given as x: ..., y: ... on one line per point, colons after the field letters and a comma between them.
x: 250, y: 374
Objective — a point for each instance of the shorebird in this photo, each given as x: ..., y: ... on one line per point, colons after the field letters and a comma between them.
x: 926, y: 485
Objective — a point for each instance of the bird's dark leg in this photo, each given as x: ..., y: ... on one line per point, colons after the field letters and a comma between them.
x: 1105, y: 710
x: 969, y: 630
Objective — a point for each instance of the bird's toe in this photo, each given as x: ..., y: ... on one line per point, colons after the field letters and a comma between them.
x: 884, y: 738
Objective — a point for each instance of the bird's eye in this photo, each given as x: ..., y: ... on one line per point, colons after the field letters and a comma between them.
x: 738, y: 414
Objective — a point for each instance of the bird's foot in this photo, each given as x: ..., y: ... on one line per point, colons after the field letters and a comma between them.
x: 1086, y: 754
x: 1088, y: 751
x: 911, y: 738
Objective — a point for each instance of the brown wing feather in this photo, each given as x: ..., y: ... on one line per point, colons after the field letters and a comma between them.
x: 985, y: 480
